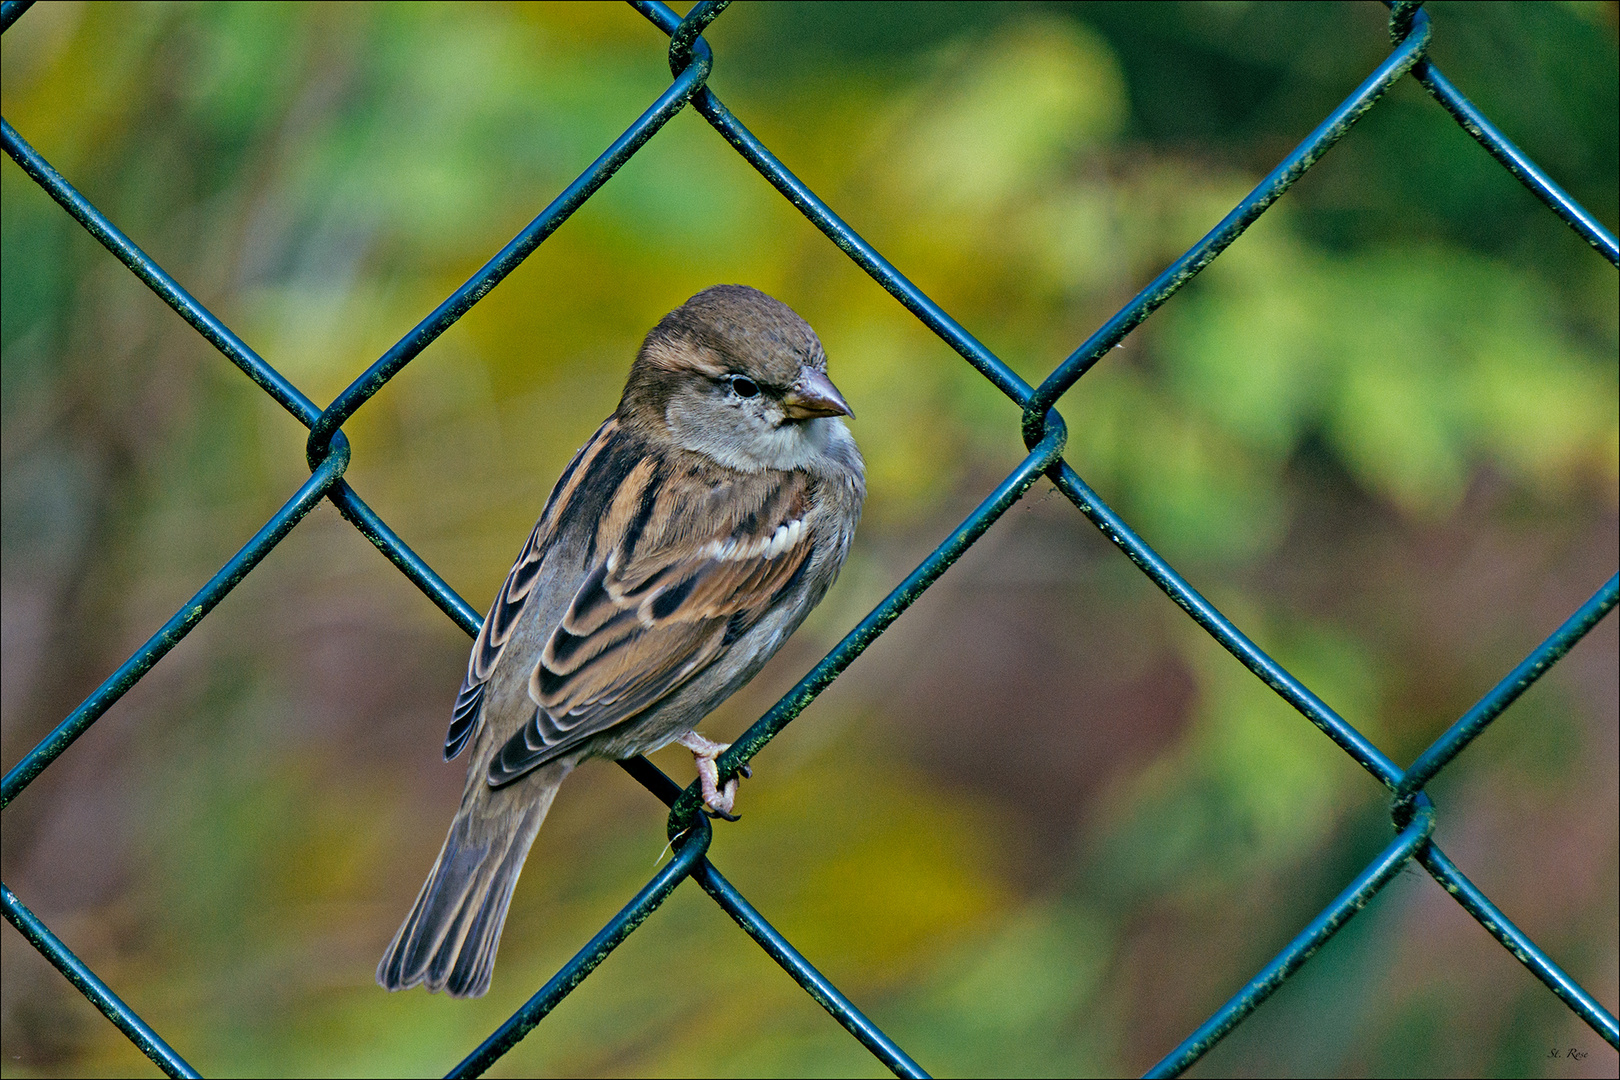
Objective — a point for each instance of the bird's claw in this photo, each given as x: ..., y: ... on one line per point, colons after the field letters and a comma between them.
x: 717, y: 801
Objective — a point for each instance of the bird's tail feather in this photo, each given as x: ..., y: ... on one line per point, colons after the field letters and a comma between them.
x: 448, y: 941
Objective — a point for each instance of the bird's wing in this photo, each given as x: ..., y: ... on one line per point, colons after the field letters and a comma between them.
x: 682, y: 565
x: 520, y: 581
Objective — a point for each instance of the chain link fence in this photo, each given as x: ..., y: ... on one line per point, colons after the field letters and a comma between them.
x: 1044, y: 433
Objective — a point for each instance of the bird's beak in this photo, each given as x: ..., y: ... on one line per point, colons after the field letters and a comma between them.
x: 815, y: 395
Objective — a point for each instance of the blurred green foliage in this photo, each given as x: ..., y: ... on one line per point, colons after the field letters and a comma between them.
x: 1381, y: 432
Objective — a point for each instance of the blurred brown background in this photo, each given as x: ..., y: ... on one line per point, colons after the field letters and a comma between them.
x: 1044, y: 825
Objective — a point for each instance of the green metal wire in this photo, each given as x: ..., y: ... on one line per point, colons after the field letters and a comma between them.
x: 1043, y: 433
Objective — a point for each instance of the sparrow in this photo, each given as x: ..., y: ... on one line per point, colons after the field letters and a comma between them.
x: 681, y: 546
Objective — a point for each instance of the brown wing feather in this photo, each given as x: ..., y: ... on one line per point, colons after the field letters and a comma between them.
x: 661, y: 603
x: 514, y: 594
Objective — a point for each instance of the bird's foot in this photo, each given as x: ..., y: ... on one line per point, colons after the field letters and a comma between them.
x: 717, y: 800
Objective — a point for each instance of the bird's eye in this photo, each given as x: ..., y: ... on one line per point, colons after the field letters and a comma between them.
x: 743, y: 386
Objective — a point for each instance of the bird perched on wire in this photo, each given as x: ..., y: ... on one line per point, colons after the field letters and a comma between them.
x: 682, y: 545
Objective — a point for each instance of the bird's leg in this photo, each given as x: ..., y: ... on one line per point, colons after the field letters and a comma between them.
x: 704, y: 752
